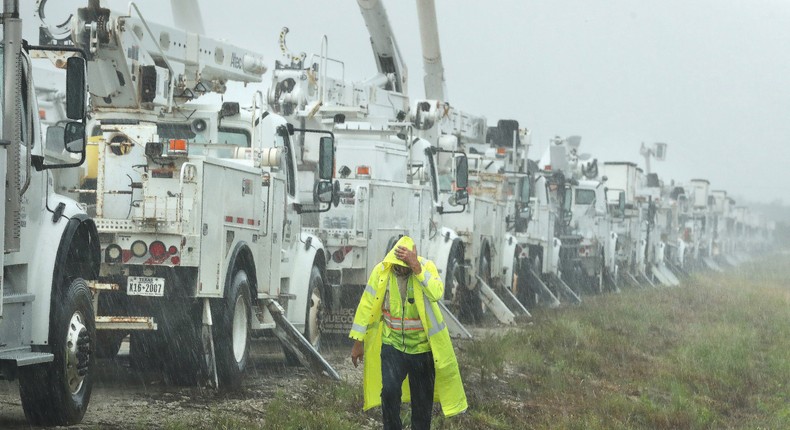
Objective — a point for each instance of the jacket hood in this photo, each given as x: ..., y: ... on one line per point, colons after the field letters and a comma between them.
x: 391, y: 259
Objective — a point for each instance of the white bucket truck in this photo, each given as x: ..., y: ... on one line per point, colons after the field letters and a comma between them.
x: 196, y: 205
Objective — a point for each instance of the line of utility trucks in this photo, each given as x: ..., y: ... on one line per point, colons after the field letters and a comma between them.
x: 216, y: 222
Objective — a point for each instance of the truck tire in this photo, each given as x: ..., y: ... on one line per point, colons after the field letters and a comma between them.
x: 58, y: 393
x: 537, y: 269
x: 315, y: 308
x: 314, y: 315
x: 455, y: 276
x: 471, y: 305
x: 232, y: 331
x: 526, y: 294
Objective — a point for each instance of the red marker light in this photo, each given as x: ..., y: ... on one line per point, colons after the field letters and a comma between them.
x: 157, y: 249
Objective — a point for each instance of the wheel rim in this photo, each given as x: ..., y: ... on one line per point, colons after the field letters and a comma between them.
x: 77, y: 352
x: 485, y: 270
x: 514, y: 276
x: 314, y: 315
x: 455, y: 278
x: 239, y: 329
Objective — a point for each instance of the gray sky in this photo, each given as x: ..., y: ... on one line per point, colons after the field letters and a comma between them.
x: 709, y: 77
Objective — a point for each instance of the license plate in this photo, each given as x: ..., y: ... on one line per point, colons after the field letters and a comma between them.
x: 145, y: 286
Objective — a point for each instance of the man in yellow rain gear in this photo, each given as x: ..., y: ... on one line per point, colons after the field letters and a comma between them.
x: 400, y: 331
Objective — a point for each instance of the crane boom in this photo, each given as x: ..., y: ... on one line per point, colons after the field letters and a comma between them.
x: 382, y: 40
x: 435, y: 87
x: 136, y: 64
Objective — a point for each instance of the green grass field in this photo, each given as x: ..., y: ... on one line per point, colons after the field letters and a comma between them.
x: 713, y: 353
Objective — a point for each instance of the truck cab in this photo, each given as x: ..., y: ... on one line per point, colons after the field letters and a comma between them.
x: 51, y: 251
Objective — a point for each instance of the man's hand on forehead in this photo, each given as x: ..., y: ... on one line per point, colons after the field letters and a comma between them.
x: 409, y: 257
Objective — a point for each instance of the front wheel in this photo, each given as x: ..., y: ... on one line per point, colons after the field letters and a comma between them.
x: 232, y: 332
x: 314, y: 315
x: 58, y: 393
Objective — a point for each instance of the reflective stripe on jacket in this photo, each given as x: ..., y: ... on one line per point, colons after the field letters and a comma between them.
x: 403, y: 329
x: 368, y: 327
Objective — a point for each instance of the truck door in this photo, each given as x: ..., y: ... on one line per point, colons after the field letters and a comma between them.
x: 277, y: 203
x: 291, y: 223
x: 285, y: 227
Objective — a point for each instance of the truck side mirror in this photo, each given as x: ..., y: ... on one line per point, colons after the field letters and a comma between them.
x: 74, y: 137
x: 75, y: 88
x: 461, y: 197
x: 462, y: 173
x: 326, y: 159
x: 324, y: 189
x: 324, y: 192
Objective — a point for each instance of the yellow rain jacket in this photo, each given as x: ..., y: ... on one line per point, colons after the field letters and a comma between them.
x: 368, y: 326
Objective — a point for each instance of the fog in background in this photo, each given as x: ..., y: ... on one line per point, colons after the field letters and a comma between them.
x: 708, y: 77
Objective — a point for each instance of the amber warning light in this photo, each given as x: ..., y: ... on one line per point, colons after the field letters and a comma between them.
x: 178, y: 145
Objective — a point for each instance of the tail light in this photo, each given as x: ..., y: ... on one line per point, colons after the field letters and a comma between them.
x: 157, y: 249
x: 363, y: 170
x: 340, y: 255
x: 113, y: 253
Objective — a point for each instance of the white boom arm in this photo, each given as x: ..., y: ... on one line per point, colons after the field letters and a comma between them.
x: 139, y: 65
x: 435, y: 87
x: 385, y: 48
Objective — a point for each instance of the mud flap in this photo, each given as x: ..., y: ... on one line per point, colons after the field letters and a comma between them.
x: 645, y: 280
x: 543, y: 290
x: 677, y: 271
x: 456, y: 329
x: 632, y: 280
x: 512, y: 303
x: 296, y: 343
x: 665, y: 276
x: 613, y: 286
x: 712, y: 265
x: 494, y: 303
x: 564, y: 289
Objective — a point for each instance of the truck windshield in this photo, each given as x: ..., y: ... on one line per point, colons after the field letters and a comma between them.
x: 225, y: 136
